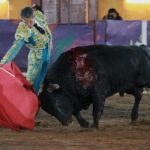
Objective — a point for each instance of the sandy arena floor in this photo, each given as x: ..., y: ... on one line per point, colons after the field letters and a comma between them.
x: 115, y: 133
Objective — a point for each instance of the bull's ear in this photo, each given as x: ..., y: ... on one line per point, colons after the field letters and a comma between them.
x: 52, y: 87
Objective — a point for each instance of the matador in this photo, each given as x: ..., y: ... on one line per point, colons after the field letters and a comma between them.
x: 32, y: 31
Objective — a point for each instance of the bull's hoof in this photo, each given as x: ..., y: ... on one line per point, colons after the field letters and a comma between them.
x: 84, y: 124
x: 64, y: 124
x: 134, y: 117
x: 95, y: 126
x: 133, y: 121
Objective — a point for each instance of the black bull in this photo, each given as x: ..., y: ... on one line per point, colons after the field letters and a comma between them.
x: 89, y: 74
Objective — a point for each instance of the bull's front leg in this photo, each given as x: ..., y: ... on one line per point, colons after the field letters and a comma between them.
x: 83, y: 123
x: 98, y: 105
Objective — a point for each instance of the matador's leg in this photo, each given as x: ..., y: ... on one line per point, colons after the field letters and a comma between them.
x: 33, y: 68
x: 37, y: 69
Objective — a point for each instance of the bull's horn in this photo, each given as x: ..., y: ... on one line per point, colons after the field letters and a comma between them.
x: 52, y: 87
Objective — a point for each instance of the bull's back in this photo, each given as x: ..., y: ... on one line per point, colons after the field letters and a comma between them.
x: 119, y: 64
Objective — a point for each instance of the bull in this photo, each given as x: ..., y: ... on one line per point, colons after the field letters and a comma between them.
x: 88, y: 75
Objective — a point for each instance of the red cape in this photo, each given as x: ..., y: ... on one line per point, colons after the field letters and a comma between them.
x: 18, y: 102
